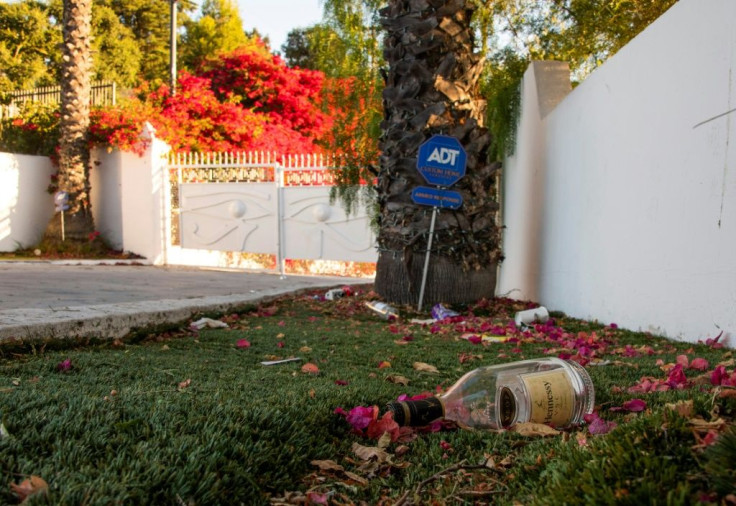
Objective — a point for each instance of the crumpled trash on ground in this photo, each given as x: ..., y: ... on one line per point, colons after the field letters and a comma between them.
x: 338, y: 293
x: 207, y: 322
x: 440, y: 312
x: 531, y: 316
x: 484, y: 338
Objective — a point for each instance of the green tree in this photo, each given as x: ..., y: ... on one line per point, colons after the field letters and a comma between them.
x: 117, y: 56
x: 28, y: 43
x: 584, y: 33
x: 346, y: 46
x: 299, y: 50
x: 219, y: 29
x: 148, y: 21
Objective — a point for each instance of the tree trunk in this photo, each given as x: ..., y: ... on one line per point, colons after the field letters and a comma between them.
x: 432, y: 88
x: 74, y: 156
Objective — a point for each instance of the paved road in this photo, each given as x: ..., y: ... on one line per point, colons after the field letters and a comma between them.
x: 40, y: 300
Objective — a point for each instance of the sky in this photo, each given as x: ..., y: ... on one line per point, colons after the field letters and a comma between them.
x: 276, y: 18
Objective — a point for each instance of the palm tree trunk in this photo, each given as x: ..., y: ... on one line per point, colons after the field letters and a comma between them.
x: 432, y: 88
x: 74, y: 156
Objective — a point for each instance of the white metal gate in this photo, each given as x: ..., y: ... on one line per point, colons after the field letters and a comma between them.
x: 249, y: 202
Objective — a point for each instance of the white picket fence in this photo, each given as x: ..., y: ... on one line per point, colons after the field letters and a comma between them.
x: 226, y: 204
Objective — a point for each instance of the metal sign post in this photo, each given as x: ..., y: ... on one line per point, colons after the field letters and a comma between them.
x: 61, y: 200
x: 426, y: 259
x: 441, y: 161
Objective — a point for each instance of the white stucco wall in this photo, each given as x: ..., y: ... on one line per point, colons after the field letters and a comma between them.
x: 637, y: 170
x: 25, y: 205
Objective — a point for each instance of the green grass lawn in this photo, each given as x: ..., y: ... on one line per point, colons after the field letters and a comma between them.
x: 185, y: 417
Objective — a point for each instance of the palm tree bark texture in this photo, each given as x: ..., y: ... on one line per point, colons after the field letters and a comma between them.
x: 74, y: 158
x: 432, y: 88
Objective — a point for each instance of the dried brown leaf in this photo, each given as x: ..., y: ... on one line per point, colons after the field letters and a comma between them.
x: 727, y: 393
x: 682, y: 408
x: 30, y: 487
x: 531, y: 429
x: 421, y: 366
x: 370, y: 452
x: 700, y: 425
x: 356, y: 478
x: 328, y: 465
x: 399, y: 380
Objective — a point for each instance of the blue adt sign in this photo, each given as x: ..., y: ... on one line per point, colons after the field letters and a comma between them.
x: 435, y: 197
x: 442, y: 160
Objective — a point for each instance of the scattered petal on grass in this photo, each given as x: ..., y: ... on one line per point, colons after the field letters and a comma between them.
x: 384, y: 364
x: 30, y: 487
x: 243, y: 343
x: 386, y: 424
x: 280, y: 344
x: 531, y: 429
x: 361, y: 416
x: 598, y: 426
x: 699, y: 364
x: 316, y: 498
x: 341, y: 383
x: 185, y: 384
x: 421, y: 366
x: 310, y: 368
x: 65, y: 366
x: 634, y: 405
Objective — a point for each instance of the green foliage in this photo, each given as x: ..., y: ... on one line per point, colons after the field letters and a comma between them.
x: 118, y: 56
x: 501, y: 84
x: 720, y: 463
x: 584, y: 33
x: 346, y: 47
x: 219, y: 29
x: 35, y: 131
x: 27, y: 44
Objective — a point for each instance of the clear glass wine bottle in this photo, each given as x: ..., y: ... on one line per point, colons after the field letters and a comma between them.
x: 546, y: 390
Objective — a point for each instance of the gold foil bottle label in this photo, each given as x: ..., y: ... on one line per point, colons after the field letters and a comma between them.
x: 508, y: 407
x: 551, y: 397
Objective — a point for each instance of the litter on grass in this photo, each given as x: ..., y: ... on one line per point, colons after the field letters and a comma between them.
x: 284, y: 361
x: 207, y: 322
x: 484, y: 338
x: 531, y: 316
x: 383, y: 309
x: 440, y: 312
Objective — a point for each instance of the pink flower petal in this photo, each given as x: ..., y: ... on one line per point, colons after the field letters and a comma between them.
x: 635, y: 405
x: 699, y: 364
x: 360, y: 416
x: 243, y: 343
x: 597, y: 425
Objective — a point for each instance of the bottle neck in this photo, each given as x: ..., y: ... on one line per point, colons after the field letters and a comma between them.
x: 417, y: 413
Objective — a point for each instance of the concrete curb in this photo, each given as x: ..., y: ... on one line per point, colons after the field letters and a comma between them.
x: 115, y: 321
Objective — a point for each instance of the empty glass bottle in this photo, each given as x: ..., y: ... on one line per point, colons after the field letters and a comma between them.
x: 546, y: 390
